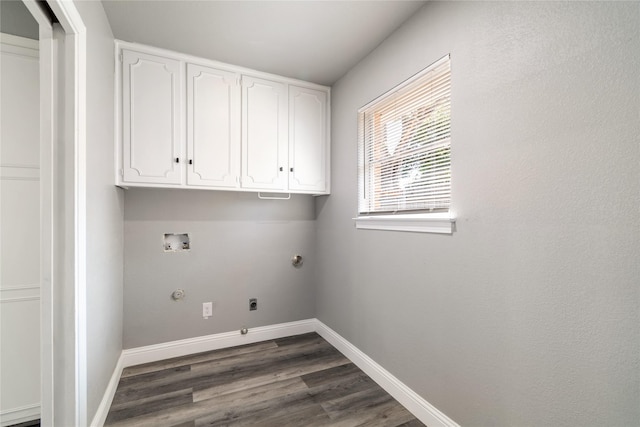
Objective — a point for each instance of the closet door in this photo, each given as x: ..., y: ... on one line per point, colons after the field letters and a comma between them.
x: 151, y: 119
x: 19, y: 231
x: 213, y: 127
x: 264, y: 135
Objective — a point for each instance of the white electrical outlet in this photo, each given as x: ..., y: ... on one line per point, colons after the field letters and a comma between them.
x: 207, y: 309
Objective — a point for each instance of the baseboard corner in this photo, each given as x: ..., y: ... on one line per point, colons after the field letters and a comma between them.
x: 418, y: 406
x: 105, y: 404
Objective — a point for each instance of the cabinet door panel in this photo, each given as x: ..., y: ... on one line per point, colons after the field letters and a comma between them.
x: 264, y: 134
x: 151, y: 119
x: 308, y: 139
x: 213, y: 127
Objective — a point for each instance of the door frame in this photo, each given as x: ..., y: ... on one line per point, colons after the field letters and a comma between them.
x: 63, y: 213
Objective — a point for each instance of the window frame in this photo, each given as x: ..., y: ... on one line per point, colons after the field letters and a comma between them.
x: 425, y: 221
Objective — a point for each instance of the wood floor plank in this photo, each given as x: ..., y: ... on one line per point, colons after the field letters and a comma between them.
x: 197, y: 358
x: 209, y: 406
x: 220, y: 408
x: 300, y: 415
x: 371, y: 407
x: 389, y: 414
x: 303, y: 400
x: 232, y: 381
x: 278, y: 354
x: 162, y: 382
x: 254, y: 394
x: 299, y: 381
x: 134, y: 408
x: 296, y: 339
x: 357, y: 402
x: 412, y: 423
x: 291, y: 417
x: 168, y: 417
x: 159, y: 377
x: 331, y: 374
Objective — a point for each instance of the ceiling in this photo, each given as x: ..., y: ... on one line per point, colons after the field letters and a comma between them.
x: 317, y: 41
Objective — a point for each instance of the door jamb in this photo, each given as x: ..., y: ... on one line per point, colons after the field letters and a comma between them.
x: 63, y: 202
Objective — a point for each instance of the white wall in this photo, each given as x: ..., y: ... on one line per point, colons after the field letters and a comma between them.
x: 241, y: 248
x: 104, y: 210
x: 528, y: 314
x: 17, y: 20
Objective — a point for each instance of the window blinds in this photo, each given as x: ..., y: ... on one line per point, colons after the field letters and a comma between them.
x: 405, y: 145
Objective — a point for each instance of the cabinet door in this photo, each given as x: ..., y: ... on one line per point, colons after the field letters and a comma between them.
x: 213, y: 127
x: 307, y: 139
x: 264, y: 134
x: 151, y: 119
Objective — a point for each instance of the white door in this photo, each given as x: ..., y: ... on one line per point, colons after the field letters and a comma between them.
x: 264, y: 134
x: 213, y: 127
x: 307, y: 139
x: 19, y: 231
x: 152, y: 140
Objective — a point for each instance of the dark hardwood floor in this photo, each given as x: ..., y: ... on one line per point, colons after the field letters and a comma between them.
x: 296, y: 381
x: 34, y: 423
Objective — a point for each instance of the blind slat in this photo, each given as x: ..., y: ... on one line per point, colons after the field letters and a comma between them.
x: 404, y: 149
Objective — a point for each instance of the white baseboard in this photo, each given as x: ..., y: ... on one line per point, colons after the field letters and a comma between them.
x: 19, y: 415
x: 103, y: 409
x: 419, y: 407
x: 152, y: 353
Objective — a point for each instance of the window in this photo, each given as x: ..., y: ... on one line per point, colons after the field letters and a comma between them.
x: 405, y: 153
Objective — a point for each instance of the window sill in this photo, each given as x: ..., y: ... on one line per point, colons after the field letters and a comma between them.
x: 441, y: 223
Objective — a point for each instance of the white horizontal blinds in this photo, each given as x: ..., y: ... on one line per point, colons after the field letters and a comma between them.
x: 405, y: 161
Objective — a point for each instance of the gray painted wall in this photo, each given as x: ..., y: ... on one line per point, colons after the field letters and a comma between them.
x: 17, y: 20
x: 241, y: 248
x: 529, y: 313
x: 105, y: 210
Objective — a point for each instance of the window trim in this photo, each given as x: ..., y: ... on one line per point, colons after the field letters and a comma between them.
x: 422, y: 222
x: 439, y: 223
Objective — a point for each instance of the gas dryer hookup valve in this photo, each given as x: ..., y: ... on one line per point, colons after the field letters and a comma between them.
x: 296, y: 261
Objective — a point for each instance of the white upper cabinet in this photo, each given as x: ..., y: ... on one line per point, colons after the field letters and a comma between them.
x: 151, y: 119
x: 213, y: 127
x: 264, y: 134
x: 187, y: 122
x: 308, y: 139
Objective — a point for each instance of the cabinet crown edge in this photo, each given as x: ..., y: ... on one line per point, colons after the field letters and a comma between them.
x: 197, y: 60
